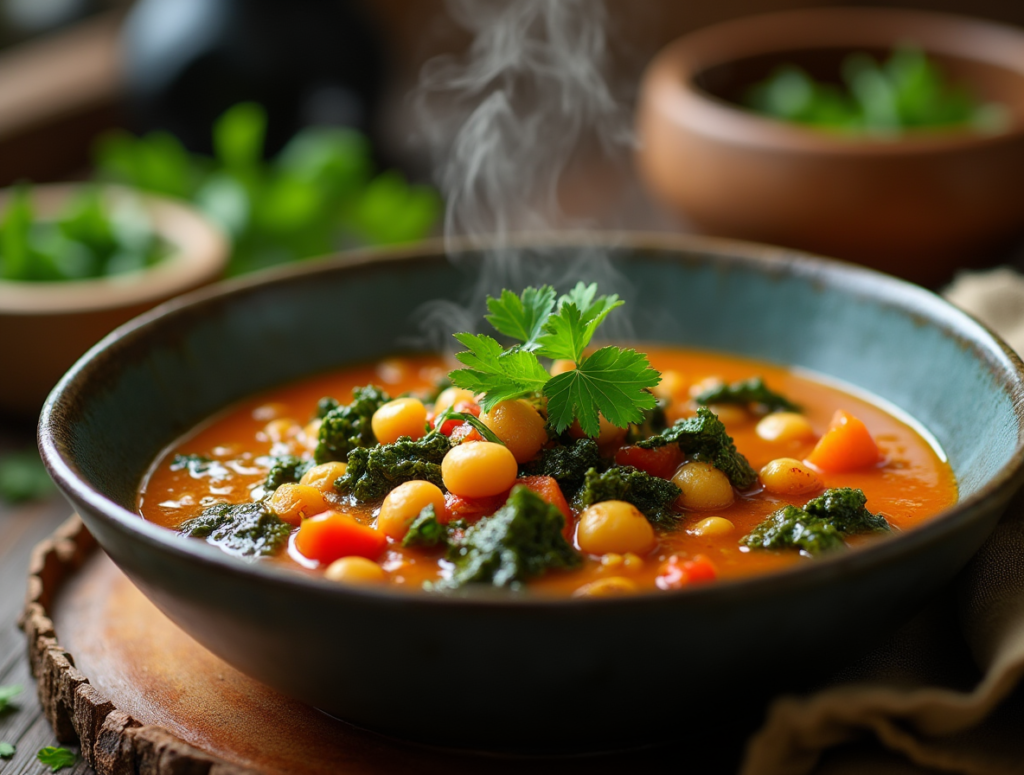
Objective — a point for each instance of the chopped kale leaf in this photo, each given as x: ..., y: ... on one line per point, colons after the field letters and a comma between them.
x: 325, y: 406
x: 845, y: 507
x: 520, y: 540
x: 285, y: 469
x: 652, y: 495
x: 817, y: 527
x: 243, y: 529
x: 373, y: 473
x: 793, y: 528
x: 748, y: 391
x: 567, y: 465
x: 704, y: 438
x: 348, y: 427
x: 426, y: 530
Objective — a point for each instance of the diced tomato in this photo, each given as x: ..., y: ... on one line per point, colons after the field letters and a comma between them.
x: 676, y: 573
x: 470, y: 509
x: 846, y: 446
x: 332, y: 535
x: 662, y: 461
x: 465, y: 432
x: 547, y: 488
x: 465, y: 407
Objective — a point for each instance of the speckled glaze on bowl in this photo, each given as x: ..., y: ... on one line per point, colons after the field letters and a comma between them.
x: 491, y: 671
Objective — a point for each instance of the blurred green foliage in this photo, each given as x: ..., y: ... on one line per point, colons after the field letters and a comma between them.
x: 319, y: 193
x: 89, y: 238
x: 908, y: 91
x: 23, y: 477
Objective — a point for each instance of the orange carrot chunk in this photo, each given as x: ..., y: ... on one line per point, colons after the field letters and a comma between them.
x: 332, y: 535
x: 846, y: 446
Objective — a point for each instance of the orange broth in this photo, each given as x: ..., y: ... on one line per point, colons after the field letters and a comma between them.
x: 911, y: 483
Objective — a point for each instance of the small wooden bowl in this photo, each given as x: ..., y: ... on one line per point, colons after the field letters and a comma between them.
x: 918, y: 206
x: 46, y: 327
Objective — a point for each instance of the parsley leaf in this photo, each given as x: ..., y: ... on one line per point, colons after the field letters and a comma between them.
x: 7, y: 694
x: 6, y: 750
x: 23, y: 477
x: 501, y: 374
x: 523, y: 317
x: 611, y: 382
x: 57, y: 758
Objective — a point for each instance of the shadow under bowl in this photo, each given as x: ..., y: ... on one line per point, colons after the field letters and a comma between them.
x: 919, y: 205
x: 505, y: 672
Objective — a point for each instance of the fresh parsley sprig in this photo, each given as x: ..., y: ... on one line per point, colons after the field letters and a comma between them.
x: 611, y: 381
x: 56, y: 758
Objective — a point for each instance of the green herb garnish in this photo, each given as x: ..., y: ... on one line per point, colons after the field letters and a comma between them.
x: 746, y: 392
x: 611, y: 381
x: 7, y: 694
x: 319, y: 193
x: 57, y: 758
x: 23, y: 477
x: 6, y: 750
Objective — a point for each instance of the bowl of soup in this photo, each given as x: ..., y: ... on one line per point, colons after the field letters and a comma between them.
x: 209, y: 408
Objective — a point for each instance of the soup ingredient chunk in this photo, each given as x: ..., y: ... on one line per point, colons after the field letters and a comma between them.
x: 285, y: 469
x: 819, y: 526
x: 478, y: 469
x: 784, y: 426
x: 651, y: 495
x: 519, y: 426
x: 295, y: 502
x: 846, y: 446
x: 345, y: 427
x: 373, y: 472
x: 243, y: 529
x: 703, y: 487
x: 332, y: 535
x: 789, y: 476
x: 614, y: 526
x: 520, y: 540
x: 704, y: 438
x: 748, y: 392
x: 401, y: 417
x: 355, y: 570
x: 403, y: 505
x: 568, y: 465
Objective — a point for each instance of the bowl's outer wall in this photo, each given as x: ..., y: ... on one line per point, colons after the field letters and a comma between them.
x: 536, y: 673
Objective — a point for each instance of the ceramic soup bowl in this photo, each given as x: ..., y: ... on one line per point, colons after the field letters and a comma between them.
x: 500, y: 671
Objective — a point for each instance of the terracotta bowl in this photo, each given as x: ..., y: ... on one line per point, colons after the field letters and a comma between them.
x: 919, y: 206
x: 46, y: 327
x: 493, y: 670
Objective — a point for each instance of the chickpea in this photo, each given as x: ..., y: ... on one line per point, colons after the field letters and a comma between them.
x: 704, y: 487
x: 404, y: 503
x: 609, y: 587
x: 614, y: 526
x: 296, y: 502
x: 519, y: 426
x: 281, y: 429
x: 672, y: 386
x: 323, y: 476
x: 355, y: 570
x: 730, y: 414
x: 561, y: 366
x: 449, y: 397
x: 608, y: 435
x: 401, y: 417
x: 789, y: 476
x: 477, y: 469
x: 785, y: 426
x: 711, y: 527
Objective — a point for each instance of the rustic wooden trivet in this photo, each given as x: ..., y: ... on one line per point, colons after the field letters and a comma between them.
x: 140, y: 696
x: 112, y: 742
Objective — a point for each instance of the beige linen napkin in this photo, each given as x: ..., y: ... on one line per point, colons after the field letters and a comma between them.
x: 945, y: 693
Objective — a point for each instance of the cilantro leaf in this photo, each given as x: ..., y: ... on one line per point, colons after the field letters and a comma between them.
x: 522, y: 318
x: 611, y: 381
x: 569, y: 331
x: 6, y: 750
x: 500, y: 374
x: 7, y: 694
x: 57, y: 758
x: 594, y: 311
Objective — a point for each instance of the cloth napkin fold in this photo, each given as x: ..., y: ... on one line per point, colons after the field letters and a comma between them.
x: 946, y: 692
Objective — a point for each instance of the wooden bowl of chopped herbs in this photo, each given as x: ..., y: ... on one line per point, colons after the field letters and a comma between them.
x: 76, y: 261
x: 889, y: 137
